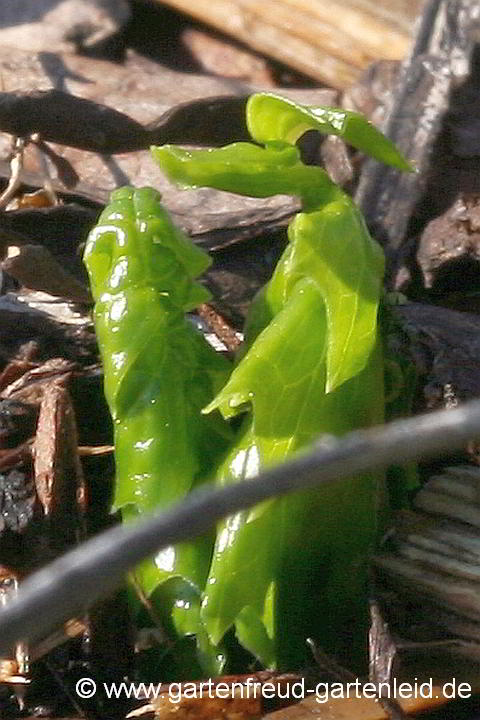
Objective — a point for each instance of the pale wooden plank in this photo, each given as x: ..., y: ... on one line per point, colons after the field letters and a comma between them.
x: 331, y: 43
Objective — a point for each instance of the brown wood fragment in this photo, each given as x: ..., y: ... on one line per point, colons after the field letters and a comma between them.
x: 34, y: 267
x: 13, y: 371
x: 395, y: 203
x: 449, y: 246
x: 381, y: 647
x: 444, y: 345
x: 353, y: 708
x: 222, y: 329
x: 58, y: 473
x: 36, y: 327
x: 230, y: 697
x: 55, y: 489
x: 90, y: 451
x: 331, y: 47
x: 68, y: 120
x: 234, y: 708
x: 435, y: 555
x: 153, y: 99
x: 59, y: 228
x: 30, y: 387
x: 222, y: 57
x: 9, y: 458
x: 49, y: 26
x: 37, y: 199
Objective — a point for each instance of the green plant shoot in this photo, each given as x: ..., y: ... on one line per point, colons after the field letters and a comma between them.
x: 296, y: 567
x: 159, y: 373
x: 271, y: 118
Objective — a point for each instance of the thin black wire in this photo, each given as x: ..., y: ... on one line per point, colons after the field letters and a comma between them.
x: 68, y: 585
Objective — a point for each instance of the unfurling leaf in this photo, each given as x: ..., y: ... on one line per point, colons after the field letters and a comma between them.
x: 159, y: 373
x: 270, y: 118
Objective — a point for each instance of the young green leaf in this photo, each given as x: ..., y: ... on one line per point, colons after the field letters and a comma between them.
x: 296, y: 565
x: 333, y: 245
x: 246, y: 169
x: 270, y: 118
x: 292, y: 567
x: 159, y: 372
x: 347, y: 265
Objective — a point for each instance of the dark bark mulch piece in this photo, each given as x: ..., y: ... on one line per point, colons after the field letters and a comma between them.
x: 397, y: 205
x: 20, y: 323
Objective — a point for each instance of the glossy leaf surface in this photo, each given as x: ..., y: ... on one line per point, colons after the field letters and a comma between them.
x: 273, y: 118
x: 159, y: 372
x: 294, y: 567
x: 298, y: 565
x: 246, y: 169
x: 347, y: 263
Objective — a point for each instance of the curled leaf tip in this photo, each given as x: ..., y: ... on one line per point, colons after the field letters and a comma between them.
x: 271, y: 117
